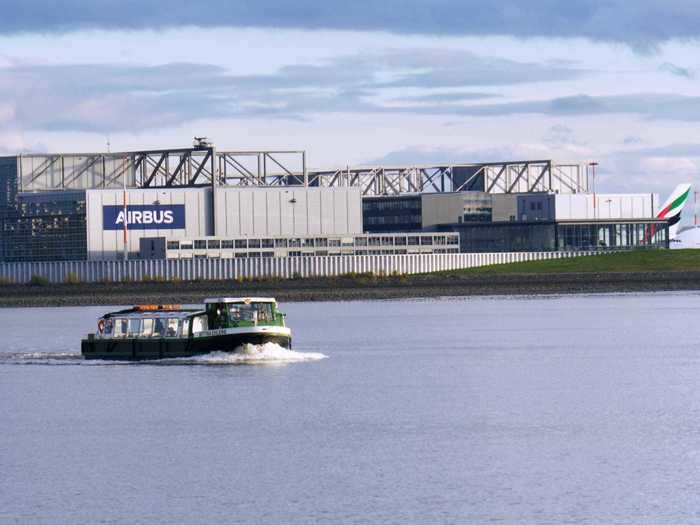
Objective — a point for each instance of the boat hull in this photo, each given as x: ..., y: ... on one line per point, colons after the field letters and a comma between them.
x: 146, y: 349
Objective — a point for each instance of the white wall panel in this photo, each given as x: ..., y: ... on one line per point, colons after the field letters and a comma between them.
x: 287, y: 211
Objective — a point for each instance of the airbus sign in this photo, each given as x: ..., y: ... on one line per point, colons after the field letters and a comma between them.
x: 144, y: 217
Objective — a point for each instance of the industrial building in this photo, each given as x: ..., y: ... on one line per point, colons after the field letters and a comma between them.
x: 199, y: 202
x: 536, y: 221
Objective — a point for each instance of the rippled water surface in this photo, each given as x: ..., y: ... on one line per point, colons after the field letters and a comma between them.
x: 578, y: 409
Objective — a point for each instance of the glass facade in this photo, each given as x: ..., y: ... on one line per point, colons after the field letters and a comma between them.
x: 506, y: 237
x: 46, y: 226
x: 541, y: 236
x: 391, y: 214
x: 612, y: 236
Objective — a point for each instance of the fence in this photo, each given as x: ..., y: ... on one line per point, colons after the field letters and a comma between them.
x: 255, y: 268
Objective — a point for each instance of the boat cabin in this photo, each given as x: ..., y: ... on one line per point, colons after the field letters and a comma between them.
x: 227, y: 312
x: 151, y: 321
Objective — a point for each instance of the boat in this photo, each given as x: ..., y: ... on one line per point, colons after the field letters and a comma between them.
x: 222, y: 324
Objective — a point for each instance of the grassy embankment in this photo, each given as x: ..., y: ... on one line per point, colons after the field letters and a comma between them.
x: 628, y: 262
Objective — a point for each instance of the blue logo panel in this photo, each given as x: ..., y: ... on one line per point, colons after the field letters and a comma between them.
x: 144, y: 217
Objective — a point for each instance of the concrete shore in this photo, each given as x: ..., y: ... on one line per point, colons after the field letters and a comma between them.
x: 348, y: 288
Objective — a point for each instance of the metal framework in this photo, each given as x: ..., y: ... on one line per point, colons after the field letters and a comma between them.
x: 494, y: 177
x: 204, y: 166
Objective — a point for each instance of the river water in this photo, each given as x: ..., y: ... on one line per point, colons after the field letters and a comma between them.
x: 574, y: 409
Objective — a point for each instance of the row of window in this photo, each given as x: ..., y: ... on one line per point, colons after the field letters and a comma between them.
x: 403, y: 204
x: 393, y: 219
x: 299, y: 253
x: 140, y: 327
x: 319, y: 242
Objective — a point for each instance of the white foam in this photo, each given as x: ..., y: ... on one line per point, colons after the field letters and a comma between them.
x: 251, y: 354
x: 41, y: 358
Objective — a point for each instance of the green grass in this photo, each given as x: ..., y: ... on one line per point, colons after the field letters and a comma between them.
x: 635, y: 261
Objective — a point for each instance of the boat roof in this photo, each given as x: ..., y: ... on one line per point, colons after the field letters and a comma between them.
x: 239, y: 300
x: 154, y: 315
x: 156, y: 311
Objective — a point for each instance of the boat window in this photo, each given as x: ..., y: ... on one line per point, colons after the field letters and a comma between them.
x: 120, y: 327
x: 172, y: 328
x: 159, y: 327
x: 109, y: 325
x: 147, y: 328
x: 134, y: 328
x: 264, y: 311
x: 199, y: 324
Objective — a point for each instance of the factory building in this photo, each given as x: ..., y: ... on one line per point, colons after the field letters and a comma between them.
x: 223, y: 213
x: 200, y: 202
x: 525, y: 222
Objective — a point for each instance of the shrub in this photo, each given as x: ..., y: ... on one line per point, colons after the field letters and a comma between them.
x: 39, y: 280
x: 72, y: 278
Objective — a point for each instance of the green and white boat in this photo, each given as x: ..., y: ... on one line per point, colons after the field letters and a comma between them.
x: 223, y: 324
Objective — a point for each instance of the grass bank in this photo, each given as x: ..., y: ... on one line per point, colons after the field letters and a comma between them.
x: 626, y: 262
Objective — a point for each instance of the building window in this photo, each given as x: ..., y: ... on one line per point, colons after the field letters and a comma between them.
x: 186, y: 246
x: 200, y: 245
x: 241, y: 244
x: 253, y: 243
x: 213, y: 244
x: 173, y: 245
x: 227, y: 245
x: 267, y: 243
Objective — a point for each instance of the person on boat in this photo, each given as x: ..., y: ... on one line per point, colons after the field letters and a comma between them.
x: 158, y: 328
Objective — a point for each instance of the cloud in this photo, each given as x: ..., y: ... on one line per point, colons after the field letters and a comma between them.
x: 651, y: 105
x: 430, y: 82
x: 559, y: 135
x: 669, y: 151
x: 642, y: 23
x: 675, y: 70
x: 107, y: 97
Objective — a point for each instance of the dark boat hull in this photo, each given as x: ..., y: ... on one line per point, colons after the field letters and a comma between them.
x: 146, y: 349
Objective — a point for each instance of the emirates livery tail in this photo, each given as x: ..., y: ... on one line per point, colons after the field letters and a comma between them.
x: 671, y: 209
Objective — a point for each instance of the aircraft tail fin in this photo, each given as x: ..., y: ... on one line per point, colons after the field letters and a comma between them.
x: 671, y: 209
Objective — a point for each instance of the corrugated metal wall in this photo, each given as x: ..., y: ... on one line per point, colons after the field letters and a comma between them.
x: 282, y: 267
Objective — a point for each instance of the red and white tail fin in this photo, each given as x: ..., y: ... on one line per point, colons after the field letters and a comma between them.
x: 671, y: 209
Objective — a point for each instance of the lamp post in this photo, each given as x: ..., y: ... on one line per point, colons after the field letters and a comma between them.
x: 593, y: 166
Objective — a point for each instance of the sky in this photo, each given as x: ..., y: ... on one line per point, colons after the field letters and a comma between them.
x: 364, y: 82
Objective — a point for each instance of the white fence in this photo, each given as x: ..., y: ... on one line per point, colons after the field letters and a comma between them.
x: 280, y: 267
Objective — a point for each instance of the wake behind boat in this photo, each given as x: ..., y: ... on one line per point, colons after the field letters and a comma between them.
x: 150, y: 332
